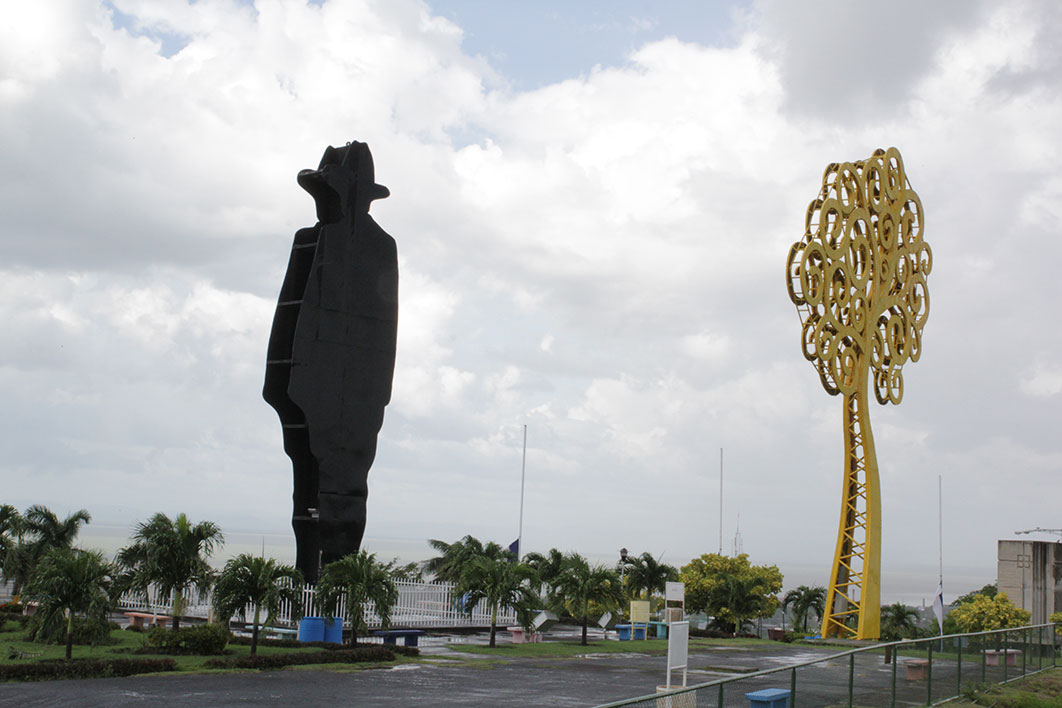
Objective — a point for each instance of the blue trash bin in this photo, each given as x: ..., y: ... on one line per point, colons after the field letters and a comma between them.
x: 624, y: 632
x: 639, y: 631
x: 311, y: 629
x: 333, y: 631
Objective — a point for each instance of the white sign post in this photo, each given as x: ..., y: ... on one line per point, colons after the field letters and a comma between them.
x: 678, y: 643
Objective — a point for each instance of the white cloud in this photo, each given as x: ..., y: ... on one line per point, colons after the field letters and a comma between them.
x: 600, y: 258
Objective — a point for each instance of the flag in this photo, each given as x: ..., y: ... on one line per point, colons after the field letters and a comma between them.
x: 938, y: 608
x: 514, y: 548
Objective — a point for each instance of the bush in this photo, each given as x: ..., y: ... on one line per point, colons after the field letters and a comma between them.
x: 83, y: 668
x: 330, y: 646
x: 86, y: 631
x: 202, y: 639
x: 710, y: 633
x: 13, y: 608
x: 279, y: 661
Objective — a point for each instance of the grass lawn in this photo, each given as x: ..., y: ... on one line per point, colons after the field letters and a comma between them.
x: 12, y: 640
x: 1044, y: 690
x: 560, y: 649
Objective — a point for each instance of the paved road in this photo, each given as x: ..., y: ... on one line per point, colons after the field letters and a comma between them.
x: 441, y: 681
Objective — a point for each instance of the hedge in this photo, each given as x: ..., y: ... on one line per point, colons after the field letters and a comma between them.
x: 331, y: 646
x: 83, y: 668
x: 200, y: 639
x: 279, y: 661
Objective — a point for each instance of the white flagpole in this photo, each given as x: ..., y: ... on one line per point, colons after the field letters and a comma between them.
x: 523, y: 469
x: 720, y: 501
x: 940, y: 540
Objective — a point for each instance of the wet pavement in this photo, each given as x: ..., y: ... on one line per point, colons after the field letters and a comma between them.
x: 444, y: 677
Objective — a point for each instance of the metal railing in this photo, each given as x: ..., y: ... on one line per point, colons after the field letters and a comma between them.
x: 910, y: 672
x: 419, y: 605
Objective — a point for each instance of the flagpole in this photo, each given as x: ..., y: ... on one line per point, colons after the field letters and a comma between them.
x: 523, y: 470
x: 720, y: 501
x: 940, y: 543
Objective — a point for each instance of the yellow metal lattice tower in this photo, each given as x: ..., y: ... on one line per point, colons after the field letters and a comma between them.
x: 858, y: 280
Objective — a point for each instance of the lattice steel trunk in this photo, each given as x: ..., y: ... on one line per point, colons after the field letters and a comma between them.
x: 854, y: 595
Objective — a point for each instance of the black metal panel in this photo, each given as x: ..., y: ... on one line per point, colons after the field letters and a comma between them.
x: 331, y: 355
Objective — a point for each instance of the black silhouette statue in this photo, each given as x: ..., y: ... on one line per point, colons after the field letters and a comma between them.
x: 331, y: 355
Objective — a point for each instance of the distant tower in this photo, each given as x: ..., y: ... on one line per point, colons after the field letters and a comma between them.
x: 739, y: 546
x: 858, y: 280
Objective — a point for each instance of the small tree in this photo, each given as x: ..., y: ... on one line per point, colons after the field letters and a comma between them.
x: 71, y: 582
x: 172, y: 556
x: 38, y: 531
x: 453, y: 557
x: 732, y: 590
x: 261, y: 583
x: 804, y: 600
x: 499, y: 582
x: 582, y: 584
x: 983, y: 614
x: 362, y: 579
x: 898, y: 621
x: 646, y: 575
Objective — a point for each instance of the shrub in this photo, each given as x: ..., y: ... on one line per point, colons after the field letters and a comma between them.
x: 201, y: 639
x: 710, y: 633
x: 86, y: 631
x: 83, y: 668
x: 13, y: 608
x: 279, y: 661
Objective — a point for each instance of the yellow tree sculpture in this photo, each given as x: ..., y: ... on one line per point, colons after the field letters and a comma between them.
x: 858, y: 279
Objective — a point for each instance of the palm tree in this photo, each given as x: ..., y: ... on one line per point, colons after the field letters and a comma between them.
x: 453, y: 557
x: 499, y: 582
x: 362, y: 579
x: 804, y: 600
x: 646, y: 573
x: 581, y: 583
x: 260, y: 582
x: 69, y: 582
x: 898, y: 621
x: 547, y: 569
x: 38, y: 530
x: 171, y: 555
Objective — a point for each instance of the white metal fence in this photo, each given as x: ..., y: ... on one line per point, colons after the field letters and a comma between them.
x: 419, y: 605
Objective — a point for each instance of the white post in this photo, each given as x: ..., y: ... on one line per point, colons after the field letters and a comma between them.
x: 523, y: 469
x: 720, y: 501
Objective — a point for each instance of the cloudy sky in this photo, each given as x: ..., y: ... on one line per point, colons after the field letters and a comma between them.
x: 593, y: 204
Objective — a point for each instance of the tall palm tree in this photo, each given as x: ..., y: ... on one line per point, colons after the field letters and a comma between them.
x: 547, y: 568
x: 453, y: 557
x: 804, y: 600
x: 499, y: 582
x: 172, y: 556
x: 39, y: 530
x: 647, y: 574
x: 71, y: 582
x: 581, y: 584
x: 261, y: 583
x: 362, y: 579
x: 898, y: 621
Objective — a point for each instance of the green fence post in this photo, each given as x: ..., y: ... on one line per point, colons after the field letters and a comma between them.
x: 1024, y: 650
x: 1039, y: 648
x: 929, y: 675
x: 895, y: 660
x: 958, y: 666
x: 720, y: 695
x: 851, y: 678
x: 1006, y: 657
x: 984, y: 655
x: 792, y: 689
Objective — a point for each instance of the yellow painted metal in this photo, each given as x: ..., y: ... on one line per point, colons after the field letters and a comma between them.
x: 858, y: 280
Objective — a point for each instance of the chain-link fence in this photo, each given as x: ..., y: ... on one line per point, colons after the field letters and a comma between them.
x: 909, y: 673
